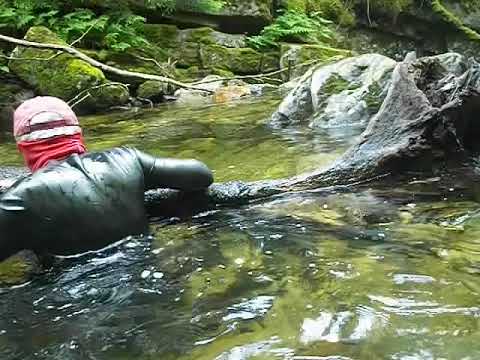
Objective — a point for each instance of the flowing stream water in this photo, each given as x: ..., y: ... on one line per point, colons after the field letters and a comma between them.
x: 381, y: 272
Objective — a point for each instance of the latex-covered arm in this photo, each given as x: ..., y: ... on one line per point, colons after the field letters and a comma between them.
x: 185, y: 175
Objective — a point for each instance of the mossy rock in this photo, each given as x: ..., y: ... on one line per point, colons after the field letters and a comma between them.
x: 193, y: 73
x: 270, y: 62
x: 154, y: 90
x: 171, y: 37
x: 222, y: 73
x: 335, y: 84
x: 208, y: 49
x: 202, y: 35
x: 336, y: 10
x: 300, y: 57
x: 19, y: 268
x: 63, y: 76
x: 294, y: 5
x: 389, y: 8
x: 237, y: 60
x: 111, y: 95
x: 186, y: 47
x: 339, y: 11
x: 260, y: 10
x: 374, y: 97
x: 164, y: 36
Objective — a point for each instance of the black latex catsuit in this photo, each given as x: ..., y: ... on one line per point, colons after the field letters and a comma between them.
x: 89, y: 201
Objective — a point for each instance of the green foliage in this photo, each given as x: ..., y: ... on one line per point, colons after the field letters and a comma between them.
x: 170, y: 6
x: 390, y: 7
x: 197, y: 5
x: 449, y: 17
x: 293, y: 26
x: 117, y: 28
x: 470, y: 5
x: 339, y: 11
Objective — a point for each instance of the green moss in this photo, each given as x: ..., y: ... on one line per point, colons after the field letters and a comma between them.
x: 374, y: 98
x: 270, y: 62
x: 470, y: 5
x: 152, y: 90
x: 245, y: 61
x: 223, y: 73
x: 302, y: 57
x: 236, y: 60
x: 192, y: 73
x: 335, y: 84
x: 63, y: 76
x: 202, y: 35
x: 319, y: 52
x: 111, y: 95
x: 297, y: 5
x: 164, y: 36
x: 450, y: 18
x: 336, y: 10
x: 388, y: 7
x: 19, y: 268
x: 189, y: 54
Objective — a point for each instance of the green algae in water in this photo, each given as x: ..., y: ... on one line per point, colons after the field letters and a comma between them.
x: 359, y: 275
x: 231, y: 138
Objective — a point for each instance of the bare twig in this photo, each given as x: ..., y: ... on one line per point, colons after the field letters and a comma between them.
x: 155, y: 61
x: 261, y: 76
x: 368, y: 13
x: 76, y: 41
x: 54, y: 55
x: 100, y: 65
x: 85, y: 94
x: 31, y: 59
x: 82, y: 99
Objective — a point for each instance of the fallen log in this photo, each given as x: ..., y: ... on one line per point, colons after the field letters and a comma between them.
x: 427, y: 119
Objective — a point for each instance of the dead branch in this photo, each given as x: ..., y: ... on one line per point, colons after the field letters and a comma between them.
x: 104, y: 67
x: 81, y: 37
x: 85, y: 94
x: 266, y: 76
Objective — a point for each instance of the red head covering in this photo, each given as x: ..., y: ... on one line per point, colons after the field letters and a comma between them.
x: 45, y: 129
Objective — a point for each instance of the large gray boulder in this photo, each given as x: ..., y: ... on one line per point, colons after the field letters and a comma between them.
x: 347, y: 92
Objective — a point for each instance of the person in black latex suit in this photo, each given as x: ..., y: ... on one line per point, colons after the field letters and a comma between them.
x: 76, y: 201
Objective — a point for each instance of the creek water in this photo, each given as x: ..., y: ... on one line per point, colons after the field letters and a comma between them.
x: 378, y: 272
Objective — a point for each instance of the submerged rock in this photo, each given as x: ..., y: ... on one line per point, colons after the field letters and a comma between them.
x: 232, y: 91
x: 19, y: 268
x: 63, y: 75
x: 219, y: 91
x: 345, y: 92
